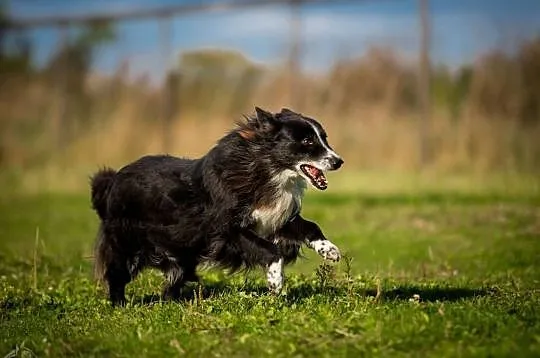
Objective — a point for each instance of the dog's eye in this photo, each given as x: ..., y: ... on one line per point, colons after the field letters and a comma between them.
x: 307, y: 141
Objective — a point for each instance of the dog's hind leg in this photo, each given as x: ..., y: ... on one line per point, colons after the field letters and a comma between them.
x: 117, y: 276
x: 111, y: 266
x: 176, y: 276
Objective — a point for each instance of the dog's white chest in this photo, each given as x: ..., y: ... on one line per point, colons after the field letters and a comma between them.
x: 288, y: 200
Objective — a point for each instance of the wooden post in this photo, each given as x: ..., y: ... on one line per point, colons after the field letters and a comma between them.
x: 295, y: 76
x: 166, y: 38
x: 424, y: 84
x: 61, y: 74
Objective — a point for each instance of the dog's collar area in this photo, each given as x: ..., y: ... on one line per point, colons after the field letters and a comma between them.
x: 295, y: 213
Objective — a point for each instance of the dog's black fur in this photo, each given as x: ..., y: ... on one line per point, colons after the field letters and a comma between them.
x: 173, y: 214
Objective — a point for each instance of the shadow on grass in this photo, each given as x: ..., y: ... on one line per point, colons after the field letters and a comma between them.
x: 448, y: 294
x: 294, y: 295
x: 402, y: 293
x: 299, y: 293
x: 204, y: 291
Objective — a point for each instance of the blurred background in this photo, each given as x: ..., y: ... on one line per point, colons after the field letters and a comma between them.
x: 402, y: 86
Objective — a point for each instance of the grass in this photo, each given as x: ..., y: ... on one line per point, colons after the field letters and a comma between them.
x: 427, y: 273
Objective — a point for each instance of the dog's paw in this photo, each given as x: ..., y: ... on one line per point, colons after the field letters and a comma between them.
x: 326, y: 249
x: 275, y: 287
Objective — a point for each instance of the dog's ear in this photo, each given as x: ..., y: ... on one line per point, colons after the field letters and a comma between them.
x: 263, y: 115
x: 287, y: 112
x: 265, y: 120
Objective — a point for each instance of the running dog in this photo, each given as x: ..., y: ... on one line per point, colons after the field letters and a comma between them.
x: 237, y: 207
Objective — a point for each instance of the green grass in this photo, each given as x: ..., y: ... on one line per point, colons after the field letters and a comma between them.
x: 434, y: 273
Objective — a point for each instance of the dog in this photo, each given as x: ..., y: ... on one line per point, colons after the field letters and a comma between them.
x: 237, y: 207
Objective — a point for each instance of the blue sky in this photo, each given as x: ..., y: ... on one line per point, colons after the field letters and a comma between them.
x: 462, y: 30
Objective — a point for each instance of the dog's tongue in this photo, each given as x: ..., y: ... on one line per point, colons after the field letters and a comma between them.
x: 317, y: 176
x: 313, y: 172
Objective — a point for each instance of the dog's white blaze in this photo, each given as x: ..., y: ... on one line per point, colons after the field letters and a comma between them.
x: 288, y: 199
x: 330, y: 151
x: 274, y: 276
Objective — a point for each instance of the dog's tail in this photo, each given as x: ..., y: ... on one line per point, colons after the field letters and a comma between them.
x: 101, y: 184
x: 102, y: 255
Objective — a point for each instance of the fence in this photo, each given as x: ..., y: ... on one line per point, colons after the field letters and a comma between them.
x: 427, y: 140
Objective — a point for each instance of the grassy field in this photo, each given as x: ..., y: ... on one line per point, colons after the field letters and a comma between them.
x: 449, y: 271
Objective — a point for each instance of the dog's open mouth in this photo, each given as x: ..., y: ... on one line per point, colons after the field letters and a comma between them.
x: 318, y: 180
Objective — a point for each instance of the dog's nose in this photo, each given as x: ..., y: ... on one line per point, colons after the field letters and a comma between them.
x: 336, y: 162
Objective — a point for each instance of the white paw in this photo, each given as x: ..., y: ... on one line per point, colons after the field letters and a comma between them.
x: 275, y: 287
x: 274, y: 277
x: 326, y: 249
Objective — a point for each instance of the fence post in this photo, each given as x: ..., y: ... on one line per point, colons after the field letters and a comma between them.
x: 424, y: 87
x: 167, y: 113
x: 61, y: 73
x: 295, y: 75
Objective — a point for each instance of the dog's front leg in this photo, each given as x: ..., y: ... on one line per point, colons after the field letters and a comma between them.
x: 313, y: 237
x: 326, y: 249
x: 266, y: 253
x: 274, y: 276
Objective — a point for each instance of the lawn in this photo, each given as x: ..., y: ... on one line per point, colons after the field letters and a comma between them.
x: 449, y: 271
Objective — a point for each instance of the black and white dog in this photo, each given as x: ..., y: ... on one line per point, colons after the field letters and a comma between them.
x: 238, y: 206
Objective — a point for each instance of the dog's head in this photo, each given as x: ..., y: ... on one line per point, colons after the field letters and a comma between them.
x: 295, y: 144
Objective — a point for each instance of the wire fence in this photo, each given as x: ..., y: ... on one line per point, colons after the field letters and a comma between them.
x: 402, y: 87
x: 163, y: 15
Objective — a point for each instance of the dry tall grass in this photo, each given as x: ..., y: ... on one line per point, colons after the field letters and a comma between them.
x: 369, y: 106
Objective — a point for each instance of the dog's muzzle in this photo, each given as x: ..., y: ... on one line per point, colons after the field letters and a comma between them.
x: 334, y: 162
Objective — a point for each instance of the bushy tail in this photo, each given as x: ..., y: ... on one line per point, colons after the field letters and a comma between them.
x: 101, y: 184
x: 102, y: 256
